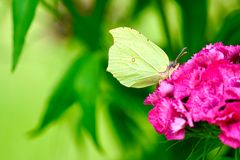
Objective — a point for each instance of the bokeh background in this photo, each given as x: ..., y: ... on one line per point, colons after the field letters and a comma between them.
x: 59, y: 103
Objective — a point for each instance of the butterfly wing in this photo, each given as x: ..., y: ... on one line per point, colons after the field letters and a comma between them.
x: 134, y: 60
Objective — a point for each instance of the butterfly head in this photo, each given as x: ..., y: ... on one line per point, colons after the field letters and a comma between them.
x: 173, y: 65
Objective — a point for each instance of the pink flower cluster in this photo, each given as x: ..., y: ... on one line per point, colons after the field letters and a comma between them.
x: 206, y: 88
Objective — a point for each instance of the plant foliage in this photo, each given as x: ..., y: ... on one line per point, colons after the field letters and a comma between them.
x: 87, y: 83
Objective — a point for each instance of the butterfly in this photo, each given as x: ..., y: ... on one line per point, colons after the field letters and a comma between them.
x: 137, y: 62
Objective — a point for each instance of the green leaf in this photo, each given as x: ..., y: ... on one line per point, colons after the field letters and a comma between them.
x: 63, y: 96
x: 202, y: 147
x: 124, y: 105
x: 80, y: 84
x: 194, y: 18
x: 87, y: 90
x: 225, y: 158
x: 139, y: 6
x: 23, y: 13
x: 230, y: 31
x: 88, y: 25
x: 124, y: 125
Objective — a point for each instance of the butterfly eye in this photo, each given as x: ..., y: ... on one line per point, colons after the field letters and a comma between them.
x: 133, y: 59
x: 171, y: 64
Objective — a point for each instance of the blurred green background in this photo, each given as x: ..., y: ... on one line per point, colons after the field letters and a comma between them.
x: 60, y: 103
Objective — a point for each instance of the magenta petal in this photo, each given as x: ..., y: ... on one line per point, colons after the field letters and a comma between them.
x: 230, y: 135
x: 165, y: 89
x: 178, y: 124
x: 176, y: 136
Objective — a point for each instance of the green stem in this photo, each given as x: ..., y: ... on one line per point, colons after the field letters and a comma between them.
x: 161, y: 10
x: 237, y: 154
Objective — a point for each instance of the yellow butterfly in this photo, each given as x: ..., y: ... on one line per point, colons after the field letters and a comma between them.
x: 136, y: 61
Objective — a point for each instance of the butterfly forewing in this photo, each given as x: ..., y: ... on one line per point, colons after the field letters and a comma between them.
x: 134, y: 60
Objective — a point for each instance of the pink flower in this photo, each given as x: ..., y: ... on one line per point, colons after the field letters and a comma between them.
x: 166, y: 120
x: 206, y: 88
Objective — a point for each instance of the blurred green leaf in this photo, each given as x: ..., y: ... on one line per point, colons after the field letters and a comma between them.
x: 194, y: 19
x: 88, y: 25
x: 63, y: 97
x: 124, y: 125
x: 225, y: 158
x: 230, y: 30
x: 159, y: 152
x: 139, y: 6
x: 162, y: 14
x: 124, y: 105
x: 87, y: 89
x: 80, y: 84
x: 126, y: 97
x: 23, y: 13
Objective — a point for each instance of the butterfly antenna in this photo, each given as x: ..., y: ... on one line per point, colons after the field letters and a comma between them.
x: 182, y: 53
